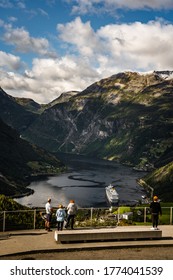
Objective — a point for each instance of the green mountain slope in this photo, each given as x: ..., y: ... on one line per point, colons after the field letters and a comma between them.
x: 162, y: 181
x: 21, y: 160
x: 29, y: 105
x: 7, y: 204
x: 14, y: 114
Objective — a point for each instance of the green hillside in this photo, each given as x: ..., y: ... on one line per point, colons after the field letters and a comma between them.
x: 20, y: 161
x: 162, y: 181
x: 7, y: 204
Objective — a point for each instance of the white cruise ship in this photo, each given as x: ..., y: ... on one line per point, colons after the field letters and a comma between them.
x: 112, y: 194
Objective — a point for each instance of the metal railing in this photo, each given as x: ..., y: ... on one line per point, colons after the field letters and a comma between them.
x: 86, y: 217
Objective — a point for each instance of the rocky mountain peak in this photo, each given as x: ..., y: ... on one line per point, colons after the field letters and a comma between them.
x: 166, y: 74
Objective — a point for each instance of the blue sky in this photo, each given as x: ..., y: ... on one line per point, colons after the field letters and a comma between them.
x: 51, y: 46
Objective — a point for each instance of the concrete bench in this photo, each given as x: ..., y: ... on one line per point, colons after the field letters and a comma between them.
x: 107, y: 234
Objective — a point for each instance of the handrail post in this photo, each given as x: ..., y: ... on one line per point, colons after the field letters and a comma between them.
x: 34, y: 218
x: 91, y: 215
x: 118, y: 216
x: 4, y: 222
x: 145, y: 212
x: 171, y: 215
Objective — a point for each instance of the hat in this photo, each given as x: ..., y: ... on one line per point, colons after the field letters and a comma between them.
x: 60, y: 206
x: 155, y: 198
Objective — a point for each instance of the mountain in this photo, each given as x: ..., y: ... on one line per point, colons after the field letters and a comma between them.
x: 64, y: 97
x: 127, y: 116
x: 20, y: 161
x: 162, y: 179
x: 14, y: 113
x: 165, y: 74
x: 29, y: 104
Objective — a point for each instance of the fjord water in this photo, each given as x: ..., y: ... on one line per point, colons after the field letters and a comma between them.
x: 85, y: 182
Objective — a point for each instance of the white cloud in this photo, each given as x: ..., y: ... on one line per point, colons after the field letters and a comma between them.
x: 11, y: 3
x: 121, y: 46
x: 96, y: 6
x: 12, y: 19
x: 81, y: 35
x: 49, y: 78
x: 9, y: 61
x: 142, y: 4
x: 134, y: 46
x: 24, y: 42
x: 6, y: 4
x: 21, y: 39
x: 21, y: 5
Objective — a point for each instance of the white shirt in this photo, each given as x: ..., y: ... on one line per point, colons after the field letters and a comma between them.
x: 72, y: 208
x: 48, y: 208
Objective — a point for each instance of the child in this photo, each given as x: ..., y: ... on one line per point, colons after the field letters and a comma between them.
x: 60, y: 217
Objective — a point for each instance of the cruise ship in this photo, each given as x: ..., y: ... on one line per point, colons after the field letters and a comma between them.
x: 112, y: 194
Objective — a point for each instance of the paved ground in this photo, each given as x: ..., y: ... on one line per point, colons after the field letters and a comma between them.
x: 39, y: 244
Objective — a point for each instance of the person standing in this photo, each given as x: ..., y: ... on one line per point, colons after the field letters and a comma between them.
x: 71, y: 213
x: 49, y: 211
x: 60, y: 217
x: 156, y: 210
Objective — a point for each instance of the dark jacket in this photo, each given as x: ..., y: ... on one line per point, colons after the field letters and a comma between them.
x: 155, y: 208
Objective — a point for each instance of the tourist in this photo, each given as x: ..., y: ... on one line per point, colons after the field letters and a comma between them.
x: 49, y: 211
x: 60, y: 217
x: 155, y: 211
x: 71, y: 211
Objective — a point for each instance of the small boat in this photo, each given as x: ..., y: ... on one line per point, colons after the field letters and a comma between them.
x: 112, y: 194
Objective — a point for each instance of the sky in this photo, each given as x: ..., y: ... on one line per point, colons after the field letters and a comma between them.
x: 48, y: 47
